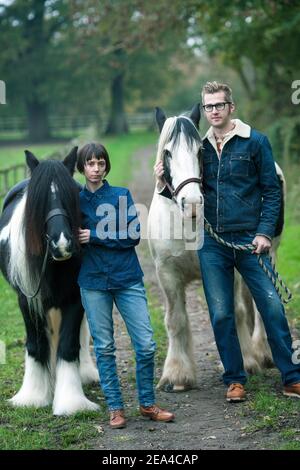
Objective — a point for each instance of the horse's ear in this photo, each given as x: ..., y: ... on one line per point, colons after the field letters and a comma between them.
x: 70, y: 160
x: 31, y: 160
x: 195, y: 115
x: 160, y: 118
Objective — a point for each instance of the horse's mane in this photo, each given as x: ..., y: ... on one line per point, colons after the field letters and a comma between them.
x: 47, y: 172
x: 173, y: 128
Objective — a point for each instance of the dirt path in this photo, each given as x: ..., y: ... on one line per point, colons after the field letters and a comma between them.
x: 203, y: 419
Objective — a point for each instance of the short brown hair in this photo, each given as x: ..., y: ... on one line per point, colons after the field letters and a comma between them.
x: 214, y: 87
x: 89, y: 151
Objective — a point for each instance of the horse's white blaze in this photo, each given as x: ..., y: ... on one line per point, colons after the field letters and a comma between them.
x: 36, y: 389
x: 88, y: 371
x: 69, y: 397
x: 53, y: 188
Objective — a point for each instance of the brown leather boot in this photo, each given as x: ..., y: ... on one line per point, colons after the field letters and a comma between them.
x: 292, y: 390
x: 117, y: 419
x: 156, y: 414
x: 236, y: 392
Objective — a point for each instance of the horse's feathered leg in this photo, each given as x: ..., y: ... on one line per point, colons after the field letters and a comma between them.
x: 36, y: 389
x: 88, y: 371
x: 68, y: 396
x: 179, y: 371
x: 262, y: 349
x: 244, y: 319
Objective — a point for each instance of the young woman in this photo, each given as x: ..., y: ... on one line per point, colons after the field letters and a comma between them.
x: 111, y: 273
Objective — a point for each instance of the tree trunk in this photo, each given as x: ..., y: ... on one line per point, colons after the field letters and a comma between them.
x: 117, y: 123
x: 37, y: 118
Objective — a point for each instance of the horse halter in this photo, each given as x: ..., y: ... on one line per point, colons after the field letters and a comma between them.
x: 54, y: 213
x: 50, y: 215
x: 174, y: 192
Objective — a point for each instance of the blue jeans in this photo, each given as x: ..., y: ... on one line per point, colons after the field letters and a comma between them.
x: 132, y: 305
x: 217, y: 267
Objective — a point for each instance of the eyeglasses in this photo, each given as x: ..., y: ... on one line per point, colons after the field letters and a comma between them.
x: 219, y: 106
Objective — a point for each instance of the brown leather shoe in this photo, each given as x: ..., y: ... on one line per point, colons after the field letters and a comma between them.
x: 236, y: 392
x: 117, y: 419
x: 292, y: 390
x: 156, y: 413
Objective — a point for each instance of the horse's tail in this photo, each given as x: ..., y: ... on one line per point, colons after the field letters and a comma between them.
x: 282, y: 182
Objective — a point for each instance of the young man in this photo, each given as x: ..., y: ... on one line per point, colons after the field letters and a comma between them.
x: 242, y: 202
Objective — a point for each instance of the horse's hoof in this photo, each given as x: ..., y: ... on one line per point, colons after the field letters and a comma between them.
x: 268, y: 363
x: 172, y: 388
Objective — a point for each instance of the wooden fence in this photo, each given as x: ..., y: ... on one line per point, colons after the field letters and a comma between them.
x: 12, y: 175
x: 70, y: 123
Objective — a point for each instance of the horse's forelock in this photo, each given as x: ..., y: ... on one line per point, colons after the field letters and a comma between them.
x: 37, y: 203
x: 165, y: 136
x: 173, y: 128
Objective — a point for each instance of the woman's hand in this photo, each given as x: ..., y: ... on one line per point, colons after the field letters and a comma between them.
x: 84, y: 235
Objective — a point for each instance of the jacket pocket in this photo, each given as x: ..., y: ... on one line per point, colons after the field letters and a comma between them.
x: 239, y: 164
x: 208, y: 167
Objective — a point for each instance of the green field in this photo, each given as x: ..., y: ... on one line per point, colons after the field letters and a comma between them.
x: 120, y: 150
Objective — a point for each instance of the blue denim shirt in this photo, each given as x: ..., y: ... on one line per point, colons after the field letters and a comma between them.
x: 241, y: 189
x: 109, y: 259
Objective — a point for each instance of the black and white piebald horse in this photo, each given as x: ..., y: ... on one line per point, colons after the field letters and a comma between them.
x: 40, y: 258
x: 179, y: 148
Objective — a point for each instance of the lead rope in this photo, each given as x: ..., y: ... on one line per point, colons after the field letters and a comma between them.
x: 32, y: 296
x: 273, y: 276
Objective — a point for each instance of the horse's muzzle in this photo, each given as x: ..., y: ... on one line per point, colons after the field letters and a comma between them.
x: 61, y: 251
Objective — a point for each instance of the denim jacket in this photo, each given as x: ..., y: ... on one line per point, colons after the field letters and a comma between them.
x: 109, y: 260
x: 241, y: 188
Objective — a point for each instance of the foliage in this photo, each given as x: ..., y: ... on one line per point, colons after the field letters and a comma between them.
x: 259, y: 39
x: 63, y: 55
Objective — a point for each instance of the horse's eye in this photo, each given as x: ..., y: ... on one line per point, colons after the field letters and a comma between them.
x: 167, y: 154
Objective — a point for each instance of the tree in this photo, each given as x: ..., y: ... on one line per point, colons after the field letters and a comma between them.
x: 119, y: 33
x: 28, y: 29
x: 260, y: 40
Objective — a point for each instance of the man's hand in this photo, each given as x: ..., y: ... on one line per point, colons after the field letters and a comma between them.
x: 84, y: 235
x: 159, y: 172
x: 261, y: 243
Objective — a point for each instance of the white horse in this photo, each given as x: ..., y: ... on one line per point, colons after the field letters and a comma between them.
x: 179, y: 148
